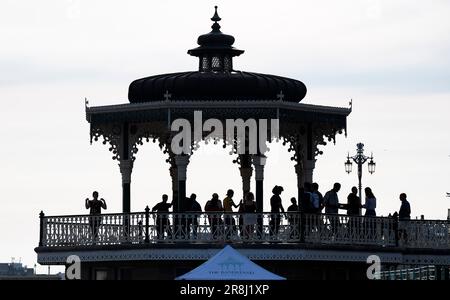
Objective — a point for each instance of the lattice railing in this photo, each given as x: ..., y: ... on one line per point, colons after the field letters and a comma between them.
x: 147, y: 227
x: 417, y: 273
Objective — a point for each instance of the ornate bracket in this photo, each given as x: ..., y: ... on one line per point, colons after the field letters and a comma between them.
x: 322, y: 134
x: 155, y: 132
x: 296, y: 146
x: 111, y: 134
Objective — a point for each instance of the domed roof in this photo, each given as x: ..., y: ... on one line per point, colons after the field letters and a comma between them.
x: 216, y: 78
x: 216, y: 86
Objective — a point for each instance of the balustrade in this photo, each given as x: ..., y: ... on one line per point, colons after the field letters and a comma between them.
x: 148, y: 227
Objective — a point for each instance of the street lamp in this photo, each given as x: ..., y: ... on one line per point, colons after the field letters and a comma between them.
x: 371, y: 165
x: 359, y: 160
x: 348, y: 165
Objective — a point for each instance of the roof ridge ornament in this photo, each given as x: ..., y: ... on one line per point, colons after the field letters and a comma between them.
x: 167, y: 96
x: 216, y: 17
x: 280, y: 96
x: 216, y: 27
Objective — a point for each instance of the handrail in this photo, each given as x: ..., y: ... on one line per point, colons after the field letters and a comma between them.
x: 288, y: 227
x: 224, y: 212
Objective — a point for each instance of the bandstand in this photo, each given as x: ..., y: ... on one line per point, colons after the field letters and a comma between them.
x: 219, y: 92
x: 127, y: 245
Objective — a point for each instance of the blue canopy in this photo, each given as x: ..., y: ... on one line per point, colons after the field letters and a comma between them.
x: 229, y: 264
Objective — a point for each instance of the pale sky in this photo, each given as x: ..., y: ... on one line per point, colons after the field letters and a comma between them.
x: 390, y: 57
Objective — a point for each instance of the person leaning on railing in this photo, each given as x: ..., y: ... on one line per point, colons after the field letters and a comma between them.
x: 95, y: 209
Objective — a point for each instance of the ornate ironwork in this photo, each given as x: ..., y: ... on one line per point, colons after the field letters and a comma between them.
x: 111, y: 229
x: 295, y: 145
x: 150, y: 131
x: 323, y: 133
x: 111, y: 133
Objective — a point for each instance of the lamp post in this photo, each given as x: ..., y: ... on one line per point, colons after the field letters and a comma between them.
x: 360, y: 159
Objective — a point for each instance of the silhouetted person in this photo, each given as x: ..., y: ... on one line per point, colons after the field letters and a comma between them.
x: 353, y: 203
x: 315, y: 205
x: 404, y: 215
x: 214, y: 208
x: 95, y: 210
x: 353, y: 207
x: 293, y: 217
x: 228, y: 202
x: 250, y: 219
x: 162, y: 218
x: 276, y: 208
x: 370, y: 206
x: 371, y: 203
x: 395, y: 228
x: 331, y: 202
x: 316, y: 198
x: 194, y: 208
x: 228, y: 205
x: 306, y: 199
x: 405, y: 209
x: 293, y: 207
x: 306, y: 209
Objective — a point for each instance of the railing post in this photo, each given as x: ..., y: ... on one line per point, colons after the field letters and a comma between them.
x: 301, y: 226
x: 147, y: 224
x: 126, y: 227
x: 41, y: 228
x: 396, y: 231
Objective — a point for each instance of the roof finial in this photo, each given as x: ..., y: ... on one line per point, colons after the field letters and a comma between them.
x: 215, y: 27
x: 216, y: 17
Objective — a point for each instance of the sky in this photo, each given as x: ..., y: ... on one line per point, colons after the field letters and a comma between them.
x: 390, y: 57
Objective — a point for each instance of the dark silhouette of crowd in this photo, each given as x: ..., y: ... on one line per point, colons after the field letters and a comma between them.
x: 246, y: 224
